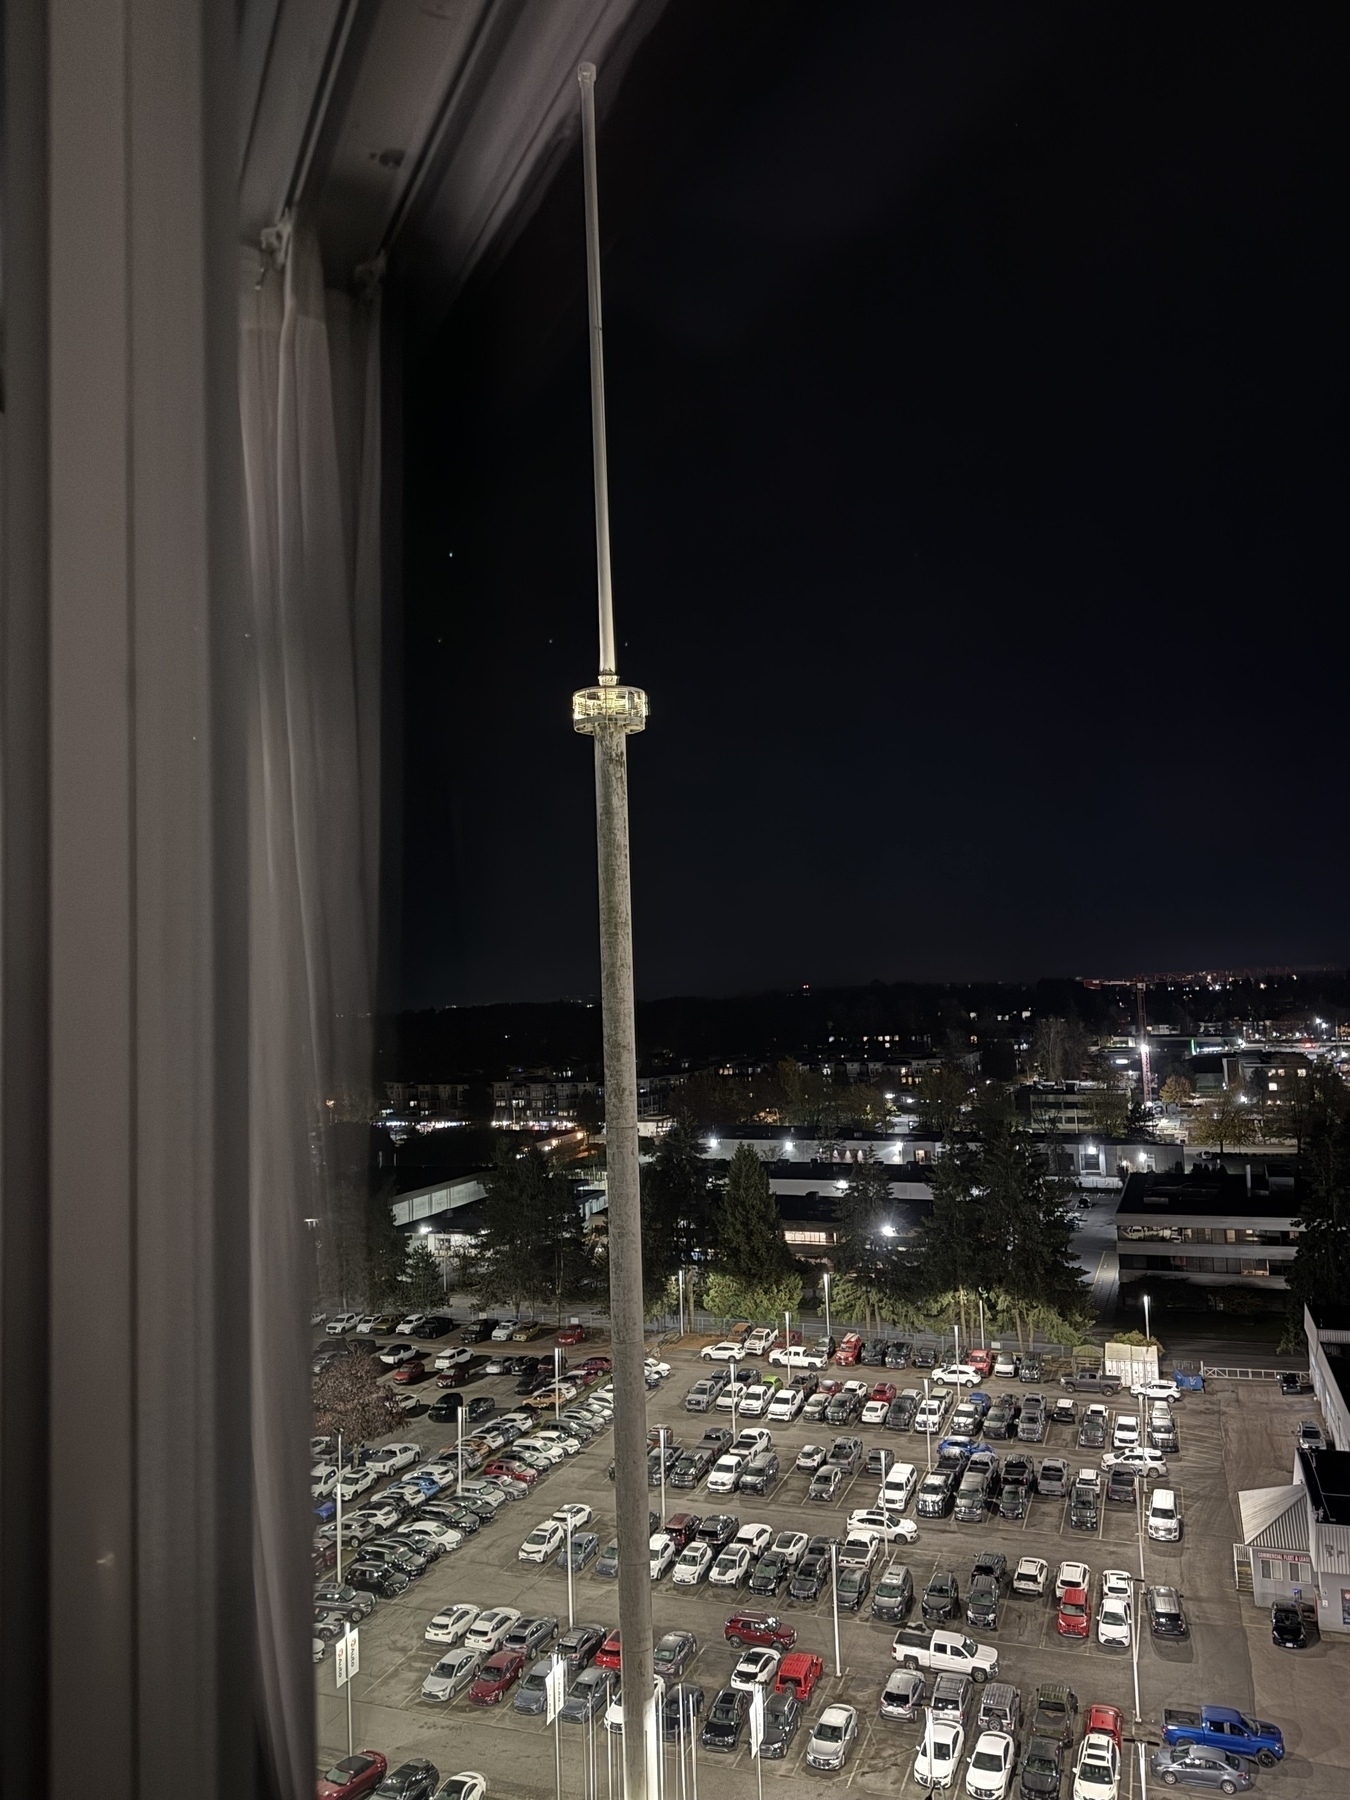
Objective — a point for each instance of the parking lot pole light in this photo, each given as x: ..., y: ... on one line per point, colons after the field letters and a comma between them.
x: 662, y: 1437
x: 571, y: 1619
x: 928, y: 1425
x: 557, y: 1741
x: 459, y: 1439
x: 980, y: 1298
x: 337, y: 1491
x: 693, y: 1751
x: 826, y: 1281
x: 608, y: 713
x: 557, y: 1377
x: 834, y: 1601
x: 1147, y: 1332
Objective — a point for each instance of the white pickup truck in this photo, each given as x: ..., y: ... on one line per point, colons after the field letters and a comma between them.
x: 948, y: 1652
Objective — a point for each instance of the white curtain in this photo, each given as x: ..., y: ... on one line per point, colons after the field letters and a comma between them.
x: 309, y: 393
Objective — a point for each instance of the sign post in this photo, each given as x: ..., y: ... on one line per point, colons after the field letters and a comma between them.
x: 555, y: 1684
x: 757, y: 1735
x: 347, y: 1660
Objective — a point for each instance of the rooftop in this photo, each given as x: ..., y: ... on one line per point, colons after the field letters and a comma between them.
x: 1207, y: 1193
x: 1326, y: 1474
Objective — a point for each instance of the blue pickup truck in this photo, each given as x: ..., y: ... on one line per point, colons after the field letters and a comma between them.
x: 1225, y: 1728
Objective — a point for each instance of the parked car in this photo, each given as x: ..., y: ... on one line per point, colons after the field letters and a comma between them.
x: 1192, y: 1765
x: 726, y: 1720
x: 834, y: 1735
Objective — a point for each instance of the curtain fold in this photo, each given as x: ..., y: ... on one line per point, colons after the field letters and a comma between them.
x: 309, y: 416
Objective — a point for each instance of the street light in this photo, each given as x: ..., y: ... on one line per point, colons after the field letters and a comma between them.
x: 1147, y: 1333
x: 827, y: 1279
x: 834, y: 1597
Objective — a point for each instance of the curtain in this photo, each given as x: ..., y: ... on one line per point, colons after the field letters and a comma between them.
x: 309, y: 393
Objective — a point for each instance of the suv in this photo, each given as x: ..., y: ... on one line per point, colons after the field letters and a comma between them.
x: 1085, y: 1501
x: 1165, y: 1617
x: 760, y: 1473
x: 766, y: 1630
x: 1054, y: 1712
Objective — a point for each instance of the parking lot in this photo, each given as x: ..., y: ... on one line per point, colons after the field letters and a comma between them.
x: 1215, y: 1664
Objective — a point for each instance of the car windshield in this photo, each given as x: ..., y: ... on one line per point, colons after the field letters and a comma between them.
x: 1038, y: 1765
x: 1095, y: 1772
x: 986, y: 1759
x: 829, y: 1734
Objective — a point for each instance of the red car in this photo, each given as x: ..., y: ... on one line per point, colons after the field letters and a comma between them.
x: 1073, y: 1618
x: 572, y: 1334
x: 765, y: 1629
x: 850, y: 1350
x: 498, y: 1675
x: 353, y: 1776
x: 512, y: 1471
x: 798, y: 1674
x: 411, y: 1373
x: 884, y: 1390
x: 681, y: 1527
x: 608, y: 1656
x: 596, y: 1365
x: 1109, y: 1719
x: 982, y: 1361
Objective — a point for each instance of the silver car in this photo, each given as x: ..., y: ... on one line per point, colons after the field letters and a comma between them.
x: 452, y: 1674
x: 588, y: 1694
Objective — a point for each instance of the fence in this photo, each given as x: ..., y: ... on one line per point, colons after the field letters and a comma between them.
x: 1211, y: 1373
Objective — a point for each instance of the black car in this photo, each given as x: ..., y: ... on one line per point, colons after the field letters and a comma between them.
x: 692, y: 1468
x: 982, y: 1602
x: 852, y: 1586
x: 448, y: 1407
x: 782, y: 1716
x: 1042, y: 1769
x: 1054, y: 1712
x: 874, y: 1354
x: 682, y: 1707
x: 415, y: 1780
x: 897, y: 1354
x: 725, y: 1724
x: 1014, y: 1500
x: 478, y: 1331
x: 381, y: 1579
x: 900, y: 1413
x: 810, y: 1577
x: 1030, y: 1369
x: 1165, y: 1615
x: 473, y: 1370
x: 760, y: 1473
x: 771, y: 1571
x: 1289, y: 1622
x: 924, y: 1357
x: 1295, y: 1383
x: 1092, y: 1432
x: 351, y: 1602
x: 435, y: 1325
x: 942, y: 1597
x: 579, y: 1645
x: 1001, y: 1419
x: 1120, y: 1486
x: 843, y: 1408
x: 718, y: 1529
x: 486, y: 1511
x: 992, y: 1563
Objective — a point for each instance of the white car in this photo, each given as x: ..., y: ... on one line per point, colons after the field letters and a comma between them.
x: 785, y: 1405
x: 467, y: 1785
x: 483, y: 1490
x: 574, y: 1514
x: 726, y: 1351
x: 1117, y: 1584
x: 1146, y: 1462
x: 1115, y: 1622
x: 452, y: 1674
x: 731, y: 1567
x: 1125, y: 1436
x: 449, y: 1625
x: 542, y: 1543
x: 614, y: 1711
x: 939, y: 1756
x: 410, y: 1323
x: 501, y: 1331
x: 344, y: 1322
x: 556, y: 1434
x: 1096, y: 1770
x: 661, y: 1553
x: 451, y: 1358
x: 433, y: 1537
x: 956, y: 1375
x: 990, y: 1767
x: 491, y: 1629
x: 859, y: 1550
x: 731, y: 1396
x: 656, y: 1369
x: 1156, y: 1390
x: 725, y: 1474
x: 389, y: 1458
x: 874, y: 1413
x: 810, y: 1457
x: 798, y: 1356
x: 756, y: 1669
x: 693, y: 1565
x: 1072, y: 1575
x: 791, y: 1544
x: 874, y: 1521
x: 370, y: 1322
x: 381, y: 1513
x: 834, y: 1734
x: 549, y: 1448
x: 323, y: 1478
x: 356, y: 1482
x: 756, y: 1538
x: 393, y: 1355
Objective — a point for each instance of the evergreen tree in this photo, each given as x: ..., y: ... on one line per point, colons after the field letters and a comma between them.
x: 534, y: 1249
x: 1320, y: 1270
x: 867, y: 1251
x: 676, y: 1209
x: 750, y: 1244
x: 423, y: 1288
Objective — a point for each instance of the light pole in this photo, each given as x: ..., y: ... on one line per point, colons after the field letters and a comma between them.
x: 983, y: 1340
x: 571, y: 1616
x: 827, y: 1279
x: 1147, y: 1333
x: 682, y: 1328
x: 557, y: 1377
x: 927, y: 1425
x: 662, y: 1438
x: 608, y: 713
x: 834, y: 1601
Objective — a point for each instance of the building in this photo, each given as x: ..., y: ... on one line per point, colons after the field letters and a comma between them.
x: 1068, y: 1106
x: 1296, y: 1539
x: 1328, y: 1335
x: 1209, y: 1225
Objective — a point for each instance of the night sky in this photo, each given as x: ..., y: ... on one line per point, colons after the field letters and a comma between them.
x: 977, y: 383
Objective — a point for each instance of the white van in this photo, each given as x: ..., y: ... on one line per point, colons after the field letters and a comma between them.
x: 897, y: 1490
x: 1164, y: 1518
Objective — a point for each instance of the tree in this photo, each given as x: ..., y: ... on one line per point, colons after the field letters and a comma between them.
x: 1229, y: 1122
x: 750, y: 1245
x: 534, y: 1248
x: 1059, y: 1049
x: 423, y: 1287
x: 677, y: 1223
x: 1177, y: 1090
x: 867, y: 1250
x: 943, y: 1095
x: 730, y: 1297
x: 1320, y: 1270
x: 1109, y: 1100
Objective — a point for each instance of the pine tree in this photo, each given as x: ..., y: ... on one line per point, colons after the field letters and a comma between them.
x: 676, y: 1209
x: 422, y: 1284
x: 1321, y: 1267
x: 534, y: 1248
x: 867, y: 1252
x: 750, y: 1244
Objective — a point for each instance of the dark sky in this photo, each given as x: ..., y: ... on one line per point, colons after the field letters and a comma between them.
x: 977, y: 385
